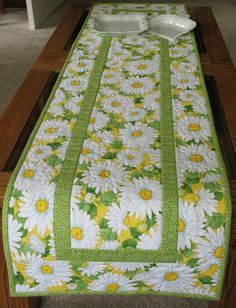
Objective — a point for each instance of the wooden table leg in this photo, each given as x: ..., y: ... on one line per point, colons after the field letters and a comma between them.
x: 2, y: 7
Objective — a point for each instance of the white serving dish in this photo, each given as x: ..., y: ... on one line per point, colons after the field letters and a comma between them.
x: 120, y: 24
x: 170, y: 26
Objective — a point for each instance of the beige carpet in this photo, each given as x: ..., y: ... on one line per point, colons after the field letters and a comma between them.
x: 139, y: 301
x: 19, y: 48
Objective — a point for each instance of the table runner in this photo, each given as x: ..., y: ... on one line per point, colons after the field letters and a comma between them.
x: 121, y: 187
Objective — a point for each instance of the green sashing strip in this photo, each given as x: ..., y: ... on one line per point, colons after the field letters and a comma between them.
x: 168, y: 249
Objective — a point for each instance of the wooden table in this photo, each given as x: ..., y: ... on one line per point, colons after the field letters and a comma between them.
x: 23, y: 111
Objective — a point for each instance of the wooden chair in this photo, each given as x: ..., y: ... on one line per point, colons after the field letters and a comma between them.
x: 24, y: 109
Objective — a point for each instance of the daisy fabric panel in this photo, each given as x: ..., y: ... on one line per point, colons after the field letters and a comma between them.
x: 121, y: 188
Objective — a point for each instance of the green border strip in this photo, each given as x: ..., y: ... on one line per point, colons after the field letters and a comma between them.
x: 168, y: 249
x: 21, y: 160
x: 227, y: 194
x: 68, y: 172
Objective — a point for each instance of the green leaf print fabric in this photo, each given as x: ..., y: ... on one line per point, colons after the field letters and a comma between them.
x: 121, y: 188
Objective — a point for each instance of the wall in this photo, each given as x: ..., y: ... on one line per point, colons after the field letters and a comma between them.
x: 39, y: 10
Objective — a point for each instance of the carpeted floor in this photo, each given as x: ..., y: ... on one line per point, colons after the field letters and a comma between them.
x: 19, y: 48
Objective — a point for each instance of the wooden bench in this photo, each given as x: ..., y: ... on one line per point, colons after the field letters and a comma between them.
x: 23, y: 111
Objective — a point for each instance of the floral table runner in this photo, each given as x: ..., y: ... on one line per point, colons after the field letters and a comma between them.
x: 121, y: 187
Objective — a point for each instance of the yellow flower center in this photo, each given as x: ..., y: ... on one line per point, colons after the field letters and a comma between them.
x: 184, y: 80
x: 50, y: 130
x: 105, y: 173
x: 127, y: 220
x: 92, y: 120
x: 145, y: 194
x: 137, y: 133
x: 191, y: 198
x: 77, y: 233
x: 118, y: 53
x: 133, y: 113
x: 196, y: 158
x: 86, y: 151
x: 28, y: 173
x: 115, y: 104
x: 137, y: 85
x: 38, y: 151
x: 75, y: 82
x: 112, y: 287
x: 194, y: 127
x: 46, y: 269
x: 142, y: 66
x: 84, y: 264
x: 108, y: 76
x: 81, y: 64
x: 181, y: 225
x: 171, y: 276
x: 134, y: 39
x: 219, y: 252
x: 41, y: 205
x: 130, y: 157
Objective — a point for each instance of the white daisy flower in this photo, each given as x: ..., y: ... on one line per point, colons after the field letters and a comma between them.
x: 154, y: 156
x: 55, y: 109
x: 176, y: 52
x: 50, y: 273
x: 117, y: 104
x: 134, y: 40
x: 116, y: 52
x: 109, y: 245
x: 211, y: 177
x: 204, y: 289
x: 172, y: 277
x: 117, y: 218
x: 97, y: 120
x: 58, y: 97
x: 137, y: 135
x: 193, y: 128
x: 103, y: 137
x: 137, y: 85
x: 112, y: 283
x: 39, y: 152
x: 150, y: 241
x: 74, y: 85
x: 110, y: 77
x: 142, y: 67
x: 81, y: 65
x: 199, y: 106
x: 114, y: 63
x: 91, y: 268
x: 184, y: 81
x: 52, y: 249
x: 197, y: 158
x: 37, y: 245
x: 14, y: 234
x: 210, y: 249
x: 152, y: 101
x: 130, y: 157
x: 127, y: 266
x: 90, y: 151
x: 141, y: 197
x: 84, y: 231
x: 178, y: 108
x: 37, y: 207
x: 77, y: 53
x: 74, y: 104
x: 204, y: 201
x: 21, y: 288
x: 26, y: 258
x: 52, y: 129
x: 104, y: 176
x: 32, y: 175
x: 190, y: 225
x: 62, y: 150
x: 187, y: 67
x: 134, y: 114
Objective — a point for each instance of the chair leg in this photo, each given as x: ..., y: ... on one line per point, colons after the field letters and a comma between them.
x: 228, y: 298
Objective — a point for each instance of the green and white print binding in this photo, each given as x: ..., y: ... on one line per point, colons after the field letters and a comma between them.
x: 121, y: 188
